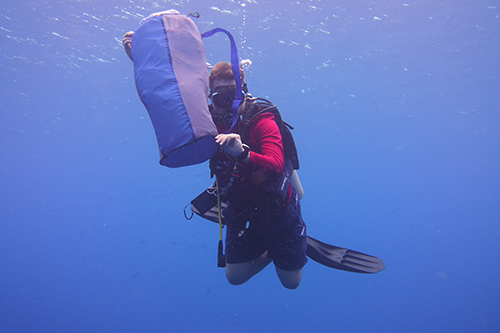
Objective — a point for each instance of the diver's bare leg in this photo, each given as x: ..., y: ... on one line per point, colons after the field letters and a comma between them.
x: 290, y: 279
x: 240, y: 273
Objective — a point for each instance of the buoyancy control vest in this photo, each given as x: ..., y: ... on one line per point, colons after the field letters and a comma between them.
x: 234, y: 175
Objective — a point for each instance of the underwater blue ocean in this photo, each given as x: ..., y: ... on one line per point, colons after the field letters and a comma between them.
x: 396, y: 109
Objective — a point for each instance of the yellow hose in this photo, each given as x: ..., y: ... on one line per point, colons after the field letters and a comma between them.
x: 218, y: 208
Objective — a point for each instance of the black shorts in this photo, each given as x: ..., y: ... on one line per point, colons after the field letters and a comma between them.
x: 284, y: 236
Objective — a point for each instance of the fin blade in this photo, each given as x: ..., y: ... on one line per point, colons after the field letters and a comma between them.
x: 342, y: 258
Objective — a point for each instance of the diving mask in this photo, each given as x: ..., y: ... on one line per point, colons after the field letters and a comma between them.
x: 224, y: 96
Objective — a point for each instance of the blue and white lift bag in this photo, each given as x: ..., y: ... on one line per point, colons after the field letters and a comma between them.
x: 172, y: 81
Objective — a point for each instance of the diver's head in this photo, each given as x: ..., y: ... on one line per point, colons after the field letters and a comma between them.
x: 223, y: 71
x: 223, y: 87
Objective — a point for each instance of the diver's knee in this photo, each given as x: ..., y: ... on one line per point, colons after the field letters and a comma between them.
x: 236, y: 274
x: 235, y: 280
x: 290, y: 284
x: 290, y: 279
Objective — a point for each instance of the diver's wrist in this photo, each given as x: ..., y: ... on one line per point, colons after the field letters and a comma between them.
x: 245, y: 154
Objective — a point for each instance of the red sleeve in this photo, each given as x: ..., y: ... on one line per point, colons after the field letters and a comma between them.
x: 266, y: 145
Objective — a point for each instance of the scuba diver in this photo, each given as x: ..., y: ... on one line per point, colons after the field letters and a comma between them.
x: 263, y: 218
x: 257, y: 190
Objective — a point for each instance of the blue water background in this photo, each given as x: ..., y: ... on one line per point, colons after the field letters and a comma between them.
x: 396, y: 112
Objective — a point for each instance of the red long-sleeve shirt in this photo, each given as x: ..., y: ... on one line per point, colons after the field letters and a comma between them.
x: 266, y: 144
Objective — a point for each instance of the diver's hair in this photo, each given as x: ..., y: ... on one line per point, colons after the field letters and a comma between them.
x: 223, y: 71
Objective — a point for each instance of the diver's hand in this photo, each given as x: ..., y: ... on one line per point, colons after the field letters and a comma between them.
x: 230, y: 143
x: 127, y: 43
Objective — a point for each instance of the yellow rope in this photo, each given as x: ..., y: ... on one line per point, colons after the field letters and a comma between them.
x: 219, y: 209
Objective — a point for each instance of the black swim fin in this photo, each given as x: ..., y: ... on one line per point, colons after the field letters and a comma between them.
x: 341, y: 258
